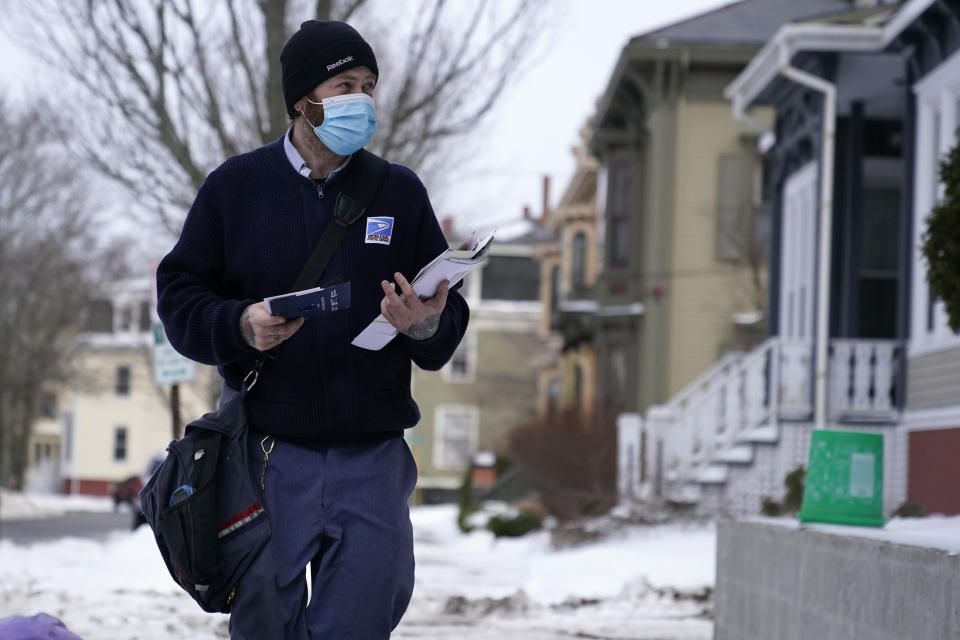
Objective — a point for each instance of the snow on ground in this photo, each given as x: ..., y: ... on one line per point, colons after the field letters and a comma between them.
x: 470, y: 587
x: 934, y: 532
x: 23, y: 506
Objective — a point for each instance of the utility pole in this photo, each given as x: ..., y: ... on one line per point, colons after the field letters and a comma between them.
x: 175, y: 411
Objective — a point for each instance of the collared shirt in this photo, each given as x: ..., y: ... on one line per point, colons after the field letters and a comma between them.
x: 297, y: 161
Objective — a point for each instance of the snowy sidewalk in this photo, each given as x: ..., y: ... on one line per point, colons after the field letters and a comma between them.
x: 469, y: 587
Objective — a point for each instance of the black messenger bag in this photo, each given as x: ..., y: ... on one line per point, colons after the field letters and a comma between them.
x: 205, y: 509
x: 203, y: 502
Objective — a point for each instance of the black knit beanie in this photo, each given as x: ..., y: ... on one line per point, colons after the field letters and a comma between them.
x: 318, y: 51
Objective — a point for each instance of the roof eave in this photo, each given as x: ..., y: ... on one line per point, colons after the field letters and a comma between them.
x: 791, y: 39
x: 907, y: 14
x: 642, y: 48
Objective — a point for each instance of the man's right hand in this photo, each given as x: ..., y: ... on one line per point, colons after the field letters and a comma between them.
x: 263, y: 331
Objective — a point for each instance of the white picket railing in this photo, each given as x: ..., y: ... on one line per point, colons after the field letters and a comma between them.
x: 715, y: 412
x: 862, y: 381
x: 741, y: 399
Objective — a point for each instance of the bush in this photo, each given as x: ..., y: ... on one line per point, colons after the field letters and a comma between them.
x: 794, y: 483
x: 466, y: 503
x: 515, y: 526
x: 573, y: 462
x: 792, y: 501
x: 770, y: 507
x: 941, y: 242
x: 910, y: 510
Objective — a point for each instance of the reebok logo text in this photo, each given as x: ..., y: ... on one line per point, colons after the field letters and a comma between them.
x: 331, y: 67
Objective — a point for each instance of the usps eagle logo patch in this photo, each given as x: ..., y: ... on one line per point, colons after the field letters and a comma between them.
x: 379, y: 230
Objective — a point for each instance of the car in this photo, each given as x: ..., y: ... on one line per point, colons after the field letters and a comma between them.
x: 128, y: 491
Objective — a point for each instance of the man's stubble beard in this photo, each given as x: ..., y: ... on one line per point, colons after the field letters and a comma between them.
x: 314, y: 112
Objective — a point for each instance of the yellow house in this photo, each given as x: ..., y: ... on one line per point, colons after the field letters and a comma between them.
x: 111, y: 418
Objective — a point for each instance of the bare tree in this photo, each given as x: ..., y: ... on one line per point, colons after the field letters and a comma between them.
x: 167, y: 89
x: 47, y: 244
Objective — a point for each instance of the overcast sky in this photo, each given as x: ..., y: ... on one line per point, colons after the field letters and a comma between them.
x: 535, y: 124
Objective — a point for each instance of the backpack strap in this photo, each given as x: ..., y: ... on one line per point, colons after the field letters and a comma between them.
x: 362, y: 180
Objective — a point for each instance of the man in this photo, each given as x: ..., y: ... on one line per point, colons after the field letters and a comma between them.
x: 326, y: 418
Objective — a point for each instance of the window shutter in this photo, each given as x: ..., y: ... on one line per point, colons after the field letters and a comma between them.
x: 732, y: 198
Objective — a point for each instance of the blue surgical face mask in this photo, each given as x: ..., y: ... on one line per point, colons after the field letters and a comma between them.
x: 349, y: 121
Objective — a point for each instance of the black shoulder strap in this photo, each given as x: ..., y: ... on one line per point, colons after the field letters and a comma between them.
x: 360, y: 184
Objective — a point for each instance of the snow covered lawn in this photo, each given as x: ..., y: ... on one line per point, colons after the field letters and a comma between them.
x: 25, y: 506
x: 640, y: 583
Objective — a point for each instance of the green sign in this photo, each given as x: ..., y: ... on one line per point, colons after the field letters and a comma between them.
x: 169, y: 367
x: 844, y: 482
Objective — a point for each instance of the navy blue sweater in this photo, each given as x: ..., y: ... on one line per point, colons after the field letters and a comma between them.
x: 248, y: 234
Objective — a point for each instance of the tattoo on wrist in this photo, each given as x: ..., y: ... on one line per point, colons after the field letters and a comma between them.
x: 246, y: 327
x: 423, y: 329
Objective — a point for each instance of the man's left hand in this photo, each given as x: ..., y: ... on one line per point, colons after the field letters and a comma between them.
x: 412, y: 316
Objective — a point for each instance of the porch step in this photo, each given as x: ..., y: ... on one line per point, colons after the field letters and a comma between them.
x: 767, y: 434
x: 713, y: 474
x: 737, y: 454
x: 686, y: 494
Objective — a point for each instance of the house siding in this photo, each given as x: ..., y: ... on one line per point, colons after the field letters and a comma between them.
x: 507, y: 354
x: 933, y: 380
x: 703, y: 291
x: 145, y: 412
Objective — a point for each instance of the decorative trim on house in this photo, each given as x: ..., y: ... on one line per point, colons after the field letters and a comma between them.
x: 633, y: 309
x: 790, y: 40
x: 932, y: 419
x: 938, y: 117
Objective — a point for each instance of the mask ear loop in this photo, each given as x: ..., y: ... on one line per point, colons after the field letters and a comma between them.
x: 304, y: 112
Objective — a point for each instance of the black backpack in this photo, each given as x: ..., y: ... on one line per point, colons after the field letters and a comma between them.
x: 202, y: 502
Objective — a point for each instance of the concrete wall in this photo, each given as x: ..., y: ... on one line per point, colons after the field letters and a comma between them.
x: 775, y: 583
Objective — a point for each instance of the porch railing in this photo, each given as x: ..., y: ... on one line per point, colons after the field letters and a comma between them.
x: 863, y: 380
x: 742, y: 399
x: 711, y: 415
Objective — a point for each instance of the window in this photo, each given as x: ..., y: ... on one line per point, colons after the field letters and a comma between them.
x: 146, y: 319
x: 99, y: 316
x: 617, y: 371
x: 554, y: 389
x: 48, y: 405
x: 123, y: 381
x: 126, y: 318
x: 120, y: 444
x: 579, y: 260
x: 956, y: 115
x: 511, y: 278
x: 455, y: 437
x: 68, y: 435
x: 462, y: 364
x: 554, y: 288
x: 578, y: 386
x: 621, y: 201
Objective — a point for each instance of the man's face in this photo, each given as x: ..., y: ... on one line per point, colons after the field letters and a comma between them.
x: 355, y: 80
